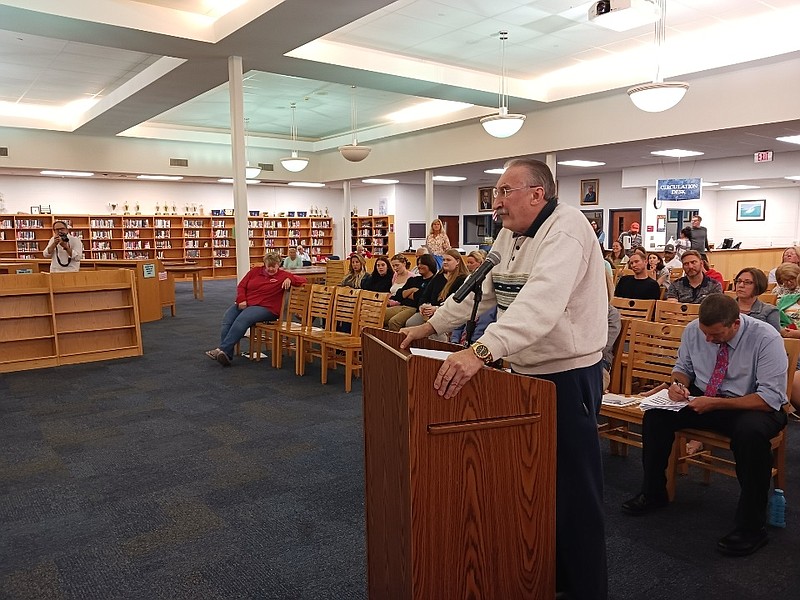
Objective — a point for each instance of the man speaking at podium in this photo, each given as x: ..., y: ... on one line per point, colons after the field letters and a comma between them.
x: 550, y: 291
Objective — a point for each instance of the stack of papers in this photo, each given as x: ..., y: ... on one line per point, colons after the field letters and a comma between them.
x: 617, y: 400
x: 661, y: 400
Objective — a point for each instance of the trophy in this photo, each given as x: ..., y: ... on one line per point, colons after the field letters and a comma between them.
x: 158, y: 209
x: 113, y: 207
x: 138, y: 209
x: 126, y: 209
x: 174, y: 210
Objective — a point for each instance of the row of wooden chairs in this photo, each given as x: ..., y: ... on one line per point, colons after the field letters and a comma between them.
x: 341, y: 314
x: 660, y: 311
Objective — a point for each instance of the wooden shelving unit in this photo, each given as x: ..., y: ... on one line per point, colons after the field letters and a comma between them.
x: 207, y: 240
x: 67, y: 318
x: 375, y: 233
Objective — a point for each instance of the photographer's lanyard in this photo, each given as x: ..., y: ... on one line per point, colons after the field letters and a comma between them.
x: 69, y: 256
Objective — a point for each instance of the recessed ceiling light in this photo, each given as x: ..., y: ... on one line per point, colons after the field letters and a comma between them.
x: 311, y: 184
x: 581, y: 163
x: 160, y: 177
x: 448, y: 178
x: 677, y: 153
x: 426, y: 110
x: 230, y: 180
x: 68, y: 173
x: 739, y: 187
x: 792, y: 139
x: 381, y: 181
x: 499, y: 171
x: 709, y: 183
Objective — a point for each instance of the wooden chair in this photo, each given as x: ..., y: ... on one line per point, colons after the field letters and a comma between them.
x: 320, y: 306
x: 708, y: 461
x: 769, y: 298
x: 345, y: 312
x: 371, y: 310
x: 617, y: 368
x: 634, y: 309
x: 335, y: 270
x: 294, y: 316
x: 675, y: 312
x: 676, y: 273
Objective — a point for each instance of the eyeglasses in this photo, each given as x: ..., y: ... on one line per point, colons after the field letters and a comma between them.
x: 506, y: 192
x: 743, y: 281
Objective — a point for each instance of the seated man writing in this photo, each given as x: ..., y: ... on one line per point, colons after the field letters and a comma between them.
x: 734, y: 366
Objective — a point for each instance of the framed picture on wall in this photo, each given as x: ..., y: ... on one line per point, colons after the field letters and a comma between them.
x: 661, y: 223
x: 750, y: 210
x: 590, y: 192
x: 34, y: 210
x: 485, y: 199
x: 46, y: 210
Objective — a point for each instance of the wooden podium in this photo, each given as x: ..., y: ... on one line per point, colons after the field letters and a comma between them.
x: 460, y: 493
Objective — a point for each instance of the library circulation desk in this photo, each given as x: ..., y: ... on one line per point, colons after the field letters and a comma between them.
x: 67, y: 318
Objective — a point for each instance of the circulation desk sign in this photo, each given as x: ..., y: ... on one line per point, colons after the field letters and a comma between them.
x: 672, y: 190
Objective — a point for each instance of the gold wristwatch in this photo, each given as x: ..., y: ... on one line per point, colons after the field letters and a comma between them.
x: 482, y: 351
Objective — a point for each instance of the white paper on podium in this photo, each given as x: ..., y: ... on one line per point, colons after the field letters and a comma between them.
x: 436, y: 354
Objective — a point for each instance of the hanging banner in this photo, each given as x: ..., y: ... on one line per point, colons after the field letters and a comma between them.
x: 679, y: 189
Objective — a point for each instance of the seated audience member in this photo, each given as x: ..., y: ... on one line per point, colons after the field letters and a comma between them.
x: 408, y: 297
x: 790, y: 255
x: 711, y: 272
x: 789, y: 312
x: 419, y: 252
x: 657, y: 270
x: 684, y: 242
x: 303, y: 254
x: 362, y: 251
x: 293, y: 261
x: 786, y: 276
x: 617, y: 256
x: 638, y: 286
x: 750, y: 283
x: 259, y: 297
x: 671, y: 260
x: 695, y: 285
x: 446, y: 282
x: 356, y: 272
x: 401, y: 275
x: 380, y: 280
x: 458, y: 336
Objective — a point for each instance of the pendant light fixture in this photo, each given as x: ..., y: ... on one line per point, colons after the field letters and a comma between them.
x: 353, y: 152
x: 249, y: 172
x: 503, y: 124
x: 294, y: 163
x: 659, y: 95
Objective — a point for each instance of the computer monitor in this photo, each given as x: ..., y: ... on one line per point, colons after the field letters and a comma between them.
x: 727, y: 243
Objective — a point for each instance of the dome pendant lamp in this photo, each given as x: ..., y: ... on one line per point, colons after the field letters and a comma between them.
x: 503, y: 124
x: 294, y: 163
x: 353, y: 152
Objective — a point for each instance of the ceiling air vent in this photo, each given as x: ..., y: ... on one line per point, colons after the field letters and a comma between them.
x: 178, y: 162
x: 3, y: 151
x: 266, y: 166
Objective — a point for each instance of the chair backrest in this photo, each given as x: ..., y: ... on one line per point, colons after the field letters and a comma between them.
x: 335, y: 270
x: 372, y: 309
x: 653, y: 351
x: 297, y: 308
x: 675, y: 312
x: 634, y: 309
x: 769, y: 298
x: 345, y: 309
x: 619, y: 359
x: 320, y: 303
x: 792, y: 346
x: 675, y: 273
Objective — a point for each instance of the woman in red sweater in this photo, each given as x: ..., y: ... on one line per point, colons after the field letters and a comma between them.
x: 259, y: 297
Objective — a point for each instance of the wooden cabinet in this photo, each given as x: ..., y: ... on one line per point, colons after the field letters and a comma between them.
x: 376, y: 234
x: 67, y: 318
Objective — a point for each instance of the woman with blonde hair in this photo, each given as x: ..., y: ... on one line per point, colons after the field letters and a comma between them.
x: 437, y: 241
x: 790, y: 255
x: 444, y: 283
x: 401, y: 275
x: 356, y: 272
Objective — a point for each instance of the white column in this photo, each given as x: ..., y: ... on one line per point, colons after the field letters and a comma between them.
x: 236, y: 99
x: 429, y: 216
x: 550, y: 160
x: 347, y: 233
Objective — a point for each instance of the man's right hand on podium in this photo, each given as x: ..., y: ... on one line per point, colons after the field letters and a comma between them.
x: 416, y: 333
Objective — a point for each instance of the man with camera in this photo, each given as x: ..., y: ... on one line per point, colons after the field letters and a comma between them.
x: 66, y: 250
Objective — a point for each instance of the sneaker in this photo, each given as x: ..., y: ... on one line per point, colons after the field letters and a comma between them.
x: 223, y: 359
x: 641, y: 505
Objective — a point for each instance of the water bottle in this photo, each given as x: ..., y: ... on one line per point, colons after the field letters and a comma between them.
x: 776, y: 512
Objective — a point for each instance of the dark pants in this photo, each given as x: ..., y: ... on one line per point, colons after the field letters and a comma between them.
x: 750, y: 432
x: 580, y: 518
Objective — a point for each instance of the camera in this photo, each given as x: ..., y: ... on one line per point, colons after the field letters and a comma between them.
x: 64, y: 237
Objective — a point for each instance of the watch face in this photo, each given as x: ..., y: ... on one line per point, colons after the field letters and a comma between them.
x: 481, y: 351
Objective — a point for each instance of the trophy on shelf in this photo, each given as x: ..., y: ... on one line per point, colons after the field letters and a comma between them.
x: 174, y: 210
x: 138, y: 209
x: 126, y: 208
x: 113, y: 207
x: 194, y: 210
x: 158, y: 209
x: 326, y: 212
x: 185, y: 209
x: 202, y: 210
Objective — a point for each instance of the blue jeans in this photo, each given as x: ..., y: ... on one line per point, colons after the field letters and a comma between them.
x: 236, y: 322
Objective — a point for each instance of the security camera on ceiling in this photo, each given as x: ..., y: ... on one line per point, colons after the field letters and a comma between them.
x: 622, y: 15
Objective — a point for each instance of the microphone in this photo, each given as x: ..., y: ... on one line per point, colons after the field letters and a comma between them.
x: 476, y: 279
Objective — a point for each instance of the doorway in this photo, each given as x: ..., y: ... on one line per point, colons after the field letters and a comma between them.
x: 450, y: 224
x: 678, y: 219
x: 620, y: 220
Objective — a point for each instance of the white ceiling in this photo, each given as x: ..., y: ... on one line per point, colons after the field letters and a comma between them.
x: 104, y: 60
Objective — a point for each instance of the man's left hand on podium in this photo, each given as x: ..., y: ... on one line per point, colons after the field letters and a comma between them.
x: 456, y: 371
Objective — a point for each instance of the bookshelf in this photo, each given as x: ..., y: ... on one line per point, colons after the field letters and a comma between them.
x: 207, y: 240
x: 375, y: 233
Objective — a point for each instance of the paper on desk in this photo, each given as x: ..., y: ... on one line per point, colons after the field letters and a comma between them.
x: 436, y: 354
x: 661, y: 400
x: 619, y: 400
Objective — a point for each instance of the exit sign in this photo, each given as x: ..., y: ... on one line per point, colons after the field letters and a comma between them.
x: 763, y: 156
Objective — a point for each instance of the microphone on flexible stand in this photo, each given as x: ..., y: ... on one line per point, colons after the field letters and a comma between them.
x: 475, y: 280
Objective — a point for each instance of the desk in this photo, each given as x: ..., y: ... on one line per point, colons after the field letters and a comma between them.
x: 314, y: 274
x: 197, y: 276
